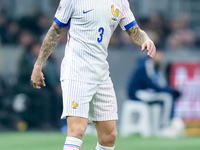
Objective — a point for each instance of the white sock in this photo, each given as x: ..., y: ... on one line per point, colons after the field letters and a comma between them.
x: 72, y: 143
x: 100, y: 147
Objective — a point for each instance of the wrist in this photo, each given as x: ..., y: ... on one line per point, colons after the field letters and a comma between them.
x: 38, y: 67
x: 148, y: 40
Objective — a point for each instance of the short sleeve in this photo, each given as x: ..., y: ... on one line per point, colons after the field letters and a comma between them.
x: 127, y: 19
x: 64, y: 12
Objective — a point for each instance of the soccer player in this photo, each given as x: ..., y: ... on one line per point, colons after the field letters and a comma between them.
x: 88, y: 93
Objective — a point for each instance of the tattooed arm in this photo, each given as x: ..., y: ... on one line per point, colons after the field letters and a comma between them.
x: 140, y: 38
x: 51, y: 40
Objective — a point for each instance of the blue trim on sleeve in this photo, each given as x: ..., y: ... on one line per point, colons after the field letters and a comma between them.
x: 59, y: 23
x: 69, y: 24
x: 130, y: 24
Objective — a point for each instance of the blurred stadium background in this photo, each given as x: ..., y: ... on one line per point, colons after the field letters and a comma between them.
x: 173, y: 24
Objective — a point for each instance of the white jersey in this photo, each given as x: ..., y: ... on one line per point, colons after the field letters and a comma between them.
x: 91, y: 24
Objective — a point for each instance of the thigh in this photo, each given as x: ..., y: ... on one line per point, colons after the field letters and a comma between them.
x: 105, y: 127
x: 103, y: 106
x: 76, y: 98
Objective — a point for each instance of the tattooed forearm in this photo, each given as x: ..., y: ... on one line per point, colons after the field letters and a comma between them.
x: 137, y: 35
x: 51, y: 40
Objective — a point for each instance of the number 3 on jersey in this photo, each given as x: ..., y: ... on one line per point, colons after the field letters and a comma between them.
x: 101, y: 31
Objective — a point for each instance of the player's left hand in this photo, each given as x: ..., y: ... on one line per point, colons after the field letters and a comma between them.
x: 149, y: 45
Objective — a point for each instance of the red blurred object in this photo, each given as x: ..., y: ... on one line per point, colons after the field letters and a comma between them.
x: 185, y: 77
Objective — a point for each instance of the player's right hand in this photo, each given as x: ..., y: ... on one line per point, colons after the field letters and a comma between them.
x: 37, y: 77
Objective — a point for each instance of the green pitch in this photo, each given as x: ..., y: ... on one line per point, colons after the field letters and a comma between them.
x: 54, y: 141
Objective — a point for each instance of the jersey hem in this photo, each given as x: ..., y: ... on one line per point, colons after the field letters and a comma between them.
x: 59, y: 23
x: 128, y: 26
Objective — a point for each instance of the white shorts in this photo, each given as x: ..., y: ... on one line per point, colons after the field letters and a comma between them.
x: 96, y: 102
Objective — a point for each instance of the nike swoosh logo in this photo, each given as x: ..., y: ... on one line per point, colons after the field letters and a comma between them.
x: 85, y: 12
